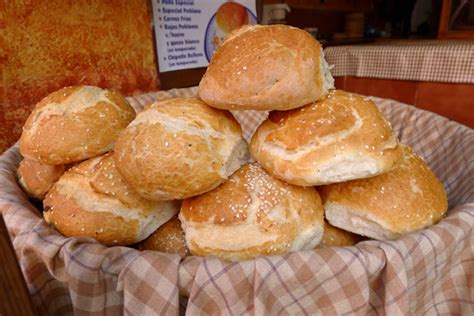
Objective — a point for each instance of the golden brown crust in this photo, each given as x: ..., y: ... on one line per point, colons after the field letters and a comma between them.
x: 336, y: 237
x: 342, y: 137
x: 405, y: 199
x: 71, y: 220
x: 91, y: 199
x: 179, y: 148
x: 36, y: 179
x: 168, y: 238
x: 259, y: 67
x: 73, y: 124
x: 252, y: 214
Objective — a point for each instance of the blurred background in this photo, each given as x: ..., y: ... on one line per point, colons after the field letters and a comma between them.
x: 48, y: 44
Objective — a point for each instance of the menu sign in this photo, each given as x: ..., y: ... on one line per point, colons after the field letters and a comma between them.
x: 188, y: 31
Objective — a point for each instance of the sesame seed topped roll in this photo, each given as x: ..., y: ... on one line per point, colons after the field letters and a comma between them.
x: 36, y: 179
x: 91, y: 199
x: 336, y: 237
x: 252, y: 214
x: 340, y: 138
x: 73, y: 124
x: 179, y: 148
x: 405, y: 199
x: 266, y: 67
x: 168, y: 238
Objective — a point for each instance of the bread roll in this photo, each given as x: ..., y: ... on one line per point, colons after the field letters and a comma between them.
x: 179, y: 148
x: 271, y: 67
x: 91, y: 199
x: 252, y: 214
x: 168, y: 238
x: 342, y: 137
x: 36, y: 179
x: 73, y: 124
x: 336, y: 237
x: 406, y: 199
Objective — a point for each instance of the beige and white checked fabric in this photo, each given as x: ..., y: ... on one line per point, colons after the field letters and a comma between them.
x: 428, y: 272
x: 421, y: 60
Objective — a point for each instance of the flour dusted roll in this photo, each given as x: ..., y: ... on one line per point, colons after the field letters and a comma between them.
x: 405, y: 199
x: 252, y: 214
x: 169, y: 238
x: 73, y: 124
x: 266, y: 67
x: 91, y: 199
x: 342, y: 137
x: 36, y: 179
x: 179, y: 148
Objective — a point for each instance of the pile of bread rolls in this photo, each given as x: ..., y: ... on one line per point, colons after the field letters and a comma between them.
x: 323, y: 170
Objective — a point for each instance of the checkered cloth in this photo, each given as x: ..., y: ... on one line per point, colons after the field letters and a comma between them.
x: 422, y: 60
x: 429, y: 272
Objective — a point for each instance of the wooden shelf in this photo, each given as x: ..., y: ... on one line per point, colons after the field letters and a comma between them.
x: 444, y: 32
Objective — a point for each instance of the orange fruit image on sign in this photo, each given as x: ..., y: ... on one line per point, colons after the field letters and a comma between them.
x: 231, y: 16
x: 228, y: 17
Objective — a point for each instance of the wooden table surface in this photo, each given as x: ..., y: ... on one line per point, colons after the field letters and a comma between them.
x: 14, y: 296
